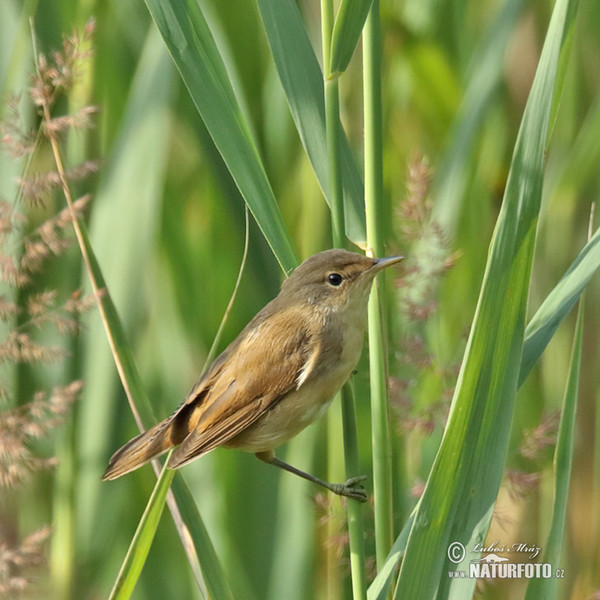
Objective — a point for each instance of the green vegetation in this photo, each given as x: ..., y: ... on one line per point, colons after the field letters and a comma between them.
x: 468, y: 143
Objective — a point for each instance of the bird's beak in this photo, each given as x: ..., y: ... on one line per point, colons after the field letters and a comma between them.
x: 382, y: 263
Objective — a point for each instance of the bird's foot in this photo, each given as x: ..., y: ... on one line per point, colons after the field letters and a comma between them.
x: 351, y: 488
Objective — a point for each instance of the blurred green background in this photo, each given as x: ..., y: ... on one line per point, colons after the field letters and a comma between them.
x: 167, y: 224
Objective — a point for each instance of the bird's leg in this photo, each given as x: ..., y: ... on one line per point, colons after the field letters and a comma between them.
x: 351, y: 488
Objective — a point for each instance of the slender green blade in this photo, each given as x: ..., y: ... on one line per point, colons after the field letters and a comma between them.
x: 459, y: 497
x: 131, y: 192
x: 538, y: 334
x: 546, y: 588
x: 189, y: 517
x: 191, y: 520
x: 142, y: 540
x: 380, y: 586
x: 126, y: 208
x: 558, y: 304
x: 192, y: 47
x: 302, y: 81
x: 212, y: 571
x: 347, y: 28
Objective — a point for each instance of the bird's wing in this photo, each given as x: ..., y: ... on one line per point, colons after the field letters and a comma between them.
x: 256, y: 375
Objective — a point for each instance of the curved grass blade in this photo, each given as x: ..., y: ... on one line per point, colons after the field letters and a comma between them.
x: 558, y: 304
x: 193, y: 535
x: 182, y: 506
x: 192, y: 47
x: 546, y: 588
x: 302, y: 81
x: 347, y: 29
x: 461, y: 491
x: 380, y: 586
x: 142, y: 540
x: 126, y: 207
x: 538, y: 333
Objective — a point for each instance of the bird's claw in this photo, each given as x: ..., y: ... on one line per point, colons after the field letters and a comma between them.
x: 352, y: 488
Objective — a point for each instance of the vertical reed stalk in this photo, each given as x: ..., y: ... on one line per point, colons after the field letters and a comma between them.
x: 336, y: 193
x: 355, y: 514
x: 333, y: 127
x: 333, y: 418
x: 382, y: 470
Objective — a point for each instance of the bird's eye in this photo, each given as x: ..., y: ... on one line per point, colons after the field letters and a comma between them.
x: 334, y: 279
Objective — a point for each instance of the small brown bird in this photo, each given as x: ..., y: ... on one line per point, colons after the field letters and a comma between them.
x: 278, y: 376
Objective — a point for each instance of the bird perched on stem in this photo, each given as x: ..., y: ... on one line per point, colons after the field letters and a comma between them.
x: 278, y: 376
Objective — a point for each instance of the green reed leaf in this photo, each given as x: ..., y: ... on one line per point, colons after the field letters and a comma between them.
x: 192, y: 47
x: 460, y: 494
x: 302, y: 81
x: 347, y: 29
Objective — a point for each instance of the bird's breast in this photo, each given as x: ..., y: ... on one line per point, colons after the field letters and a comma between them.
x: 336, y: 355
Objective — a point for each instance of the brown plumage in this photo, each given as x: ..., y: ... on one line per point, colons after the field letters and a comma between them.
x: 278, y: 375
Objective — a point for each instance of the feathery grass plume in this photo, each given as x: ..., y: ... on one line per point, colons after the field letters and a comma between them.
x: 25, y: 256
x: 8, y: 309
x: 16, y: 140
x: 20, y: 260
x: 15, y: 561
x: 42, y: 309
x: 9, y: 220
x: 333, y: 521
x: 19, y: 347
x: 57, y: 74
x: 20, y: 426
x: 538, y: 440
x: 82, y: 119
x: 38, y: 187
x: 519, y: 484
x: 428, y: 259
x: 536, y: 447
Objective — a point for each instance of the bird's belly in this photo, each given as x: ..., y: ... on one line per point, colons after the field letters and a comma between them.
x: 295, y: 411
x: 302, y: 406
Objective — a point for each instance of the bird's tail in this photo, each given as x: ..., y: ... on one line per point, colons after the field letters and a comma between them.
x: 141, y: 449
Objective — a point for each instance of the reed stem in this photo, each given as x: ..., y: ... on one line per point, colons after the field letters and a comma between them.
x: 382, y: 470
x: 336, y: 198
